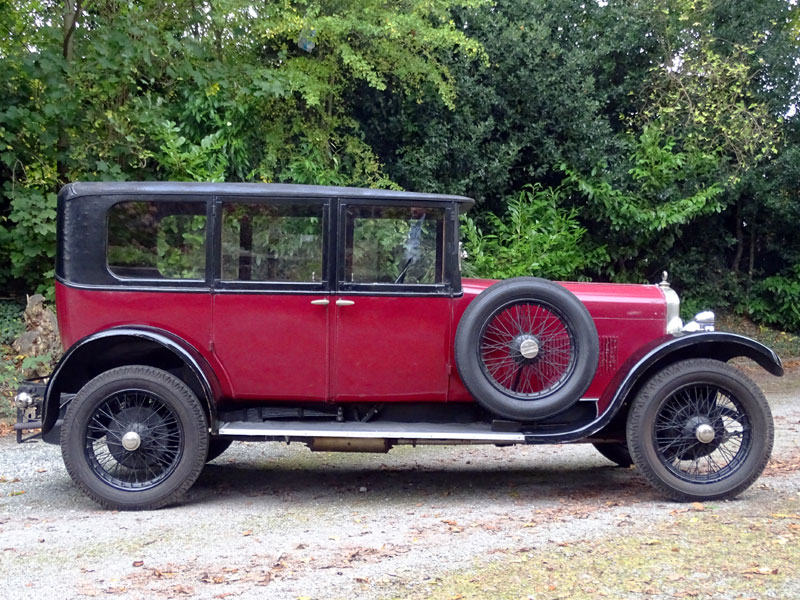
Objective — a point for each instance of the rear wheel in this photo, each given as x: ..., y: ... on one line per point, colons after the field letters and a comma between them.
x: 700, y: 430
x: 134, y: 438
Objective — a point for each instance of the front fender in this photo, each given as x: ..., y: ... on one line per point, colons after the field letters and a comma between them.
x: 115, y: 347
x: 717, y: 345
x: 654, y: 357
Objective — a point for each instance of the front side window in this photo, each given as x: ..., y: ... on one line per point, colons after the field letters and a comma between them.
x: 272, y: 242
x: 394, y: 245
x: 157, y: 240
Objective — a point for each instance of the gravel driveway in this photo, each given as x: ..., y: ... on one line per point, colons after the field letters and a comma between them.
x: 271, y: 521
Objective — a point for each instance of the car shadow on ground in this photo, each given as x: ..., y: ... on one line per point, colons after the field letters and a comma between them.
x: 413, y: 484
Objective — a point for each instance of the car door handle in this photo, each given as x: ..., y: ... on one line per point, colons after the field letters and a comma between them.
x: 323, y: 302
x: 341, y: 302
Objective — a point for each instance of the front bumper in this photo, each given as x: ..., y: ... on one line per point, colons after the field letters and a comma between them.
x: 29, y: 400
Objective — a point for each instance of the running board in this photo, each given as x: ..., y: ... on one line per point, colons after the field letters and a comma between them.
x: 398, y: 432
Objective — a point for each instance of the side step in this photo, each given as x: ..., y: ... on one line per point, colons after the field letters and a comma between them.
x: 399, y: 433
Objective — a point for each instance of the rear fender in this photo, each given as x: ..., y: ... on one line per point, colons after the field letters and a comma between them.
x: 120, y: 346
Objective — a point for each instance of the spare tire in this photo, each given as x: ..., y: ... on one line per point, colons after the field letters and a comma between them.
x: 526, y: 348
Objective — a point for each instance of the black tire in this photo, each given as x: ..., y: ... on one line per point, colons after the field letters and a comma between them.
x: 170, y: 438
x: 518, y: 382
x: 616, y: 452
x: 664, y: 431
x: 216, y: 446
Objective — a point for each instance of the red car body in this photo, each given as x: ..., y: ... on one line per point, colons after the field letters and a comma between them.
x: 398, y: 349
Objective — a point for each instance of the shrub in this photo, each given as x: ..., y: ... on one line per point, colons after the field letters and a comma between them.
x: 535, y: 236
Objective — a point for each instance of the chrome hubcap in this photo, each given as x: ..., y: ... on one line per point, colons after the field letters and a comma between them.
x: 704, y: 433
x: 529, y: 348
x: 131, y: 441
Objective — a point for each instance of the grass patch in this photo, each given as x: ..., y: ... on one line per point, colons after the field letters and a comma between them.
x: 724, y: 551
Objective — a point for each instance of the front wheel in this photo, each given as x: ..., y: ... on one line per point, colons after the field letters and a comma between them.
x: 134, y: 438
x: 700, y: 430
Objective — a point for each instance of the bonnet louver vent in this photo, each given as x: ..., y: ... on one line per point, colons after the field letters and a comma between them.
x: 608, y: 355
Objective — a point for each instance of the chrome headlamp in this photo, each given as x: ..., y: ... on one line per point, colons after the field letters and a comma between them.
x: 23, y: 400
x: 703, y: 321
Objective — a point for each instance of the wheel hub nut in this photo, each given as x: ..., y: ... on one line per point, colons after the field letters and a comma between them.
x: 704, y: 433
x: 131, y: 441
x: 529, y: 348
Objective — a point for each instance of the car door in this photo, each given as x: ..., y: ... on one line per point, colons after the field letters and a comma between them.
x: 271, y: 317
x: 392, y: 309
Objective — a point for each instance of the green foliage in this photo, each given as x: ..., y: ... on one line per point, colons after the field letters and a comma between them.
x: 776, y: 300
x: 181, y: 248
x: 535, y: 236
x: 182, y: 160
x: 640, y: 216
x: 537, y: 102
x: 11, y: 323
x: 703, y: 92
x: 35, y: 362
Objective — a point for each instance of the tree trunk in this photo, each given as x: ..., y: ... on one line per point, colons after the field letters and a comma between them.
x: 739, y: 238
x: 72, y: 14
x: 752, y: 260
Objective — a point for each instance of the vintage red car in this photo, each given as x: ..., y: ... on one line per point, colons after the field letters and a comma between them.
x: 194, y: 314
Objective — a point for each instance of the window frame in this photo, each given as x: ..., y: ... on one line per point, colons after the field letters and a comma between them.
x: 161, y: 282
x: 236, y: 285
x: 445, y: 288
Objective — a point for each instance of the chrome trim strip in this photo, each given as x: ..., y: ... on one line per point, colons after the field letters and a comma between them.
x: 392, y: 430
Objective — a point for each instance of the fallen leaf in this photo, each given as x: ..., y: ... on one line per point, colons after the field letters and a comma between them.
x: 183, y: 590
x: 138, y: 563
x: 87, y: 589
x: 760, y: 571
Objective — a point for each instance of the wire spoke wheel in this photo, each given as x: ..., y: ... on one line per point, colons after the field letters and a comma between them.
x: 702, y: 433
x: 133, y: 440
x: 700, y: 429
x: 527, y: 349
x: 134, y: 437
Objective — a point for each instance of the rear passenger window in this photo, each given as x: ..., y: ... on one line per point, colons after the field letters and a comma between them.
x: 272, y: 242
x: 157, y: 240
